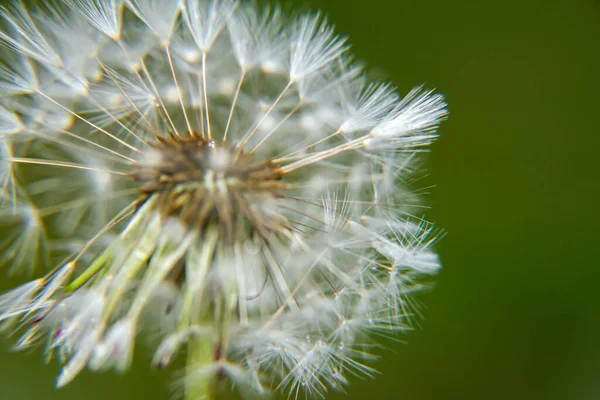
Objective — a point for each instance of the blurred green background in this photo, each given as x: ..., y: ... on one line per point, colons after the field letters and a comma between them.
x: 515, y: 312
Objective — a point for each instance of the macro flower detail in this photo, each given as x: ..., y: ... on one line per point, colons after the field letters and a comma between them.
x: 217, y: 180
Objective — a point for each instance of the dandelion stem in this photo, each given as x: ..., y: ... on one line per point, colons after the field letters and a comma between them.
x: 200, y: 353
x: 200, y: 384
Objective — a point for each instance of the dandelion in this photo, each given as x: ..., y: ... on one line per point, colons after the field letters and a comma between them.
x: 217, y: 179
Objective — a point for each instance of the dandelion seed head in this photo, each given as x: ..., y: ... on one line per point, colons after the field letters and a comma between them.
x: 214, y: 179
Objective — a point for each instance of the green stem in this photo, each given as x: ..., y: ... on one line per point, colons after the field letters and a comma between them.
x: 200, y: 382
x: 205, y: 350
x: 96, y: 266
x: 201, y: 353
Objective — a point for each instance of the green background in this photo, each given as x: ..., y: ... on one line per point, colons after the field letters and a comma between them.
x: 514, y: 313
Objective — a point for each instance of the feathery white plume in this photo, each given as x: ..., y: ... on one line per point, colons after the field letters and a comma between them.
x: 218, y: 180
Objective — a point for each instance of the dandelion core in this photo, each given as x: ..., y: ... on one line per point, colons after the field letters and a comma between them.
x: 200, y: 183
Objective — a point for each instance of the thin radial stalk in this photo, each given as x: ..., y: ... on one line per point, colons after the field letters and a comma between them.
x: 369, y: 260
x: 120, y: 156
x: 316, y: 157
x: 293, y: 154
x: 121, y: 216
x: 117, y: 120
x: 309, y: 271
x: 303, y: 214
x: 153, y: 86
x: 142, y: 115
x: 249, y: 135
x: 315, y: 199
x: 202, y: 119
x: 373, y: 178
x: 278, y: 277
x: 233, y: 104
x: 73, y: 113
x: 62, y: 164
x: 162, y: 104
x: 90, y: 142
x: 187, y: 121
x: 331, y: 267
x: 107, y: 112
x: 100, y: 261
x: 283, y: 121
x: 206, y: 109
x: 84, y: 201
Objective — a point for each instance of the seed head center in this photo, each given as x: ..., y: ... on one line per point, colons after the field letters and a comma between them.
x: 199, y: 183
